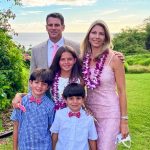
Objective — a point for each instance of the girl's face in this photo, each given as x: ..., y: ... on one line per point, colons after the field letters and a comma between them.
x: 66, y: 62
x: 97, y: 36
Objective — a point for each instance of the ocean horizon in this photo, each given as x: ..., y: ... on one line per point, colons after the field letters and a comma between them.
x: 29, y: 39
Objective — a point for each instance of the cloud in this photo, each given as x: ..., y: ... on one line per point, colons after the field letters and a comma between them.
x: 66, y: 8
x: 128, y: 16
x: 31, y: 12
x: 30, y: 27
x: 77, y: 21
x: 108, y: 12
x: 57, y: 2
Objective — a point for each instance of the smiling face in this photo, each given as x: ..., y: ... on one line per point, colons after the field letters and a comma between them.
x: 75, y: 103
x: 66, y: 62
x: 38, y: 88
x: 54, y: 29
x: 97, y: 36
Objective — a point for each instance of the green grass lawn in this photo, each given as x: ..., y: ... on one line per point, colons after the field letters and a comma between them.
x: 6, y: 144
x: 138, y: 94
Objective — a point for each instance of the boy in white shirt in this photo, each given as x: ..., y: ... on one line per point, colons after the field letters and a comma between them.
x: 72, y: 128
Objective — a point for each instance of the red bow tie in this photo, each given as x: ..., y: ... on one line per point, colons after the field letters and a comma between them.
x: 33, y: 99
x: 71, y: 114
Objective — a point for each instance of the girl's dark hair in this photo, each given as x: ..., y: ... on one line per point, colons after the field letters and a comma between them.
x: 74, y: 89
x: 55, y: 68
x: 42, y: 75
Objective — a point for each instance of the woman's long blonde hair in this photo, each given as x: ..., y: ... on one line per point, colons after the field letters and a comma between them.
x: 86, y: 46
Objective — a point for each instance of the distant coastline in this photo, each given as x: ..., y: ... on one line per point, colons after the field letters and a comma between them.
x: 29, y: 40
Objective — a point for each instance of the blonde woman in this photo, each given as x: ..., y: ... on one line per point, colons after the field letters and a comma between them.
x: 103, y: 71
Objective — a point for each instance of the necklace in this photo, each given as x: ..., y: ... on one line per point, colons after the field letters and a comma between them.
x: 59, y: 101
x: 95, y: 81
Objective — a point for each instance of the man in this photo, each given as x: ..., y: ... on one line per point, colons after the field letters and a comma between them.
x: 42, y: 54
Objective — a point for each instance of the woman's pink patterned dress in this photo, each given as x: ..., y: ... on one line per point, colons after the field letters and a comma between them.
x: 104, y: 103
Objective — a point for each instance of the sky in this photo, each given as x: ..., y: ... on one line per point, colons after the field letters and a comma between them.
x: 78, y: 14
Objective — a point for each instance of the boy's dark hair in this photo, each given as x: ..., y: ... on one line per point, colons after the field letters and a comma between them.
x: 56, y: 15
x: 74, y: 89
x: 42, y: 75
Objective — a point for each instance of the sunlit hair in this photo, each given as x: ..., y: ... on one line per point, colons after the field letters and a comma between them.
x: 56, y: 15
x: 55, y: 67
x: 86, y: 46
x: 74, y: 89
x: 42, y: 75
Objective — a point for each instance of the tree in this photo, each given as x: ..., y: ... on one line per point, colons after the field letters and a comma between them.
x: 6, y: 15
x: 147, y: 29
x: 13, y: 73
x: 130, y: 41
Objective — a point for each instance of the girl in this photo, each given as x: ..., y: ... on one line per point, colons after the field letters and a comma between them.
x: 102, y: 71
x: 65, y: 69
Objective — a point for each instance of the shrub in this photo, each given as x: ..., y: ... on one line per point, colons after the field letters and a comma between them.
x: 4, y: 102
x: 13, y: 73
x: 138, y: 69
x: 126, y: 66
x: 140, y: 59
x: 145, y: 62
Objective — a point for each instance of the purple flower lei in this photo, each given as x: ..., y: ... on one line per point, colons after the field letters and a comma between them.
x: 95, y: 82
x: 59, y: 102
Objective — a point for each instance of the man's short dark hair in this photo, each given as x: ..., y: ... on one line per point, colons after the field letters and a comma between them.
x: 74, y: 89
x: 42, y: 75
x: 56, y: 15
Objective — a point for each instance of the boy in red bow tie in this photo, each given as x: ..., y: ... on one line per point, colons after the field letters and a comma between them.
x: 72, y: 128
x: 35, y: 116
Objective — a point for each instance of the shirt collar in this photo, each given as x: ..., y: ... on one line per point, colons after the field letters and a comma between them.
x: 68, y: 110
x: 59, y: 43
x: 42, y: 98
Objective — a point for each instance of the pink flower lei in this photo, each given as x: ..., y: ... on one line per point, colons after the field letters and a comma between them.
x: 95, y: 82
x: 59, y: 101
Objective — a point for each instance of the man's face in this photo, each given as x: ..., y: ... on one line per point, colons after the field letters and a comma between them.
x: 54, y: 29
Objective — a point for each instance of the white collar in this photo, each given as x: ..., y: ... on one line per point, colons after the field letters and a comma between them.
x: 68, y: 110
x: 59, y: 43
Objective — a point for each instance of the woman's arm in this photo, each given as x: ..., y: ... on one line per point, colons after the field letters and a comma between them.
x: 119, y: 70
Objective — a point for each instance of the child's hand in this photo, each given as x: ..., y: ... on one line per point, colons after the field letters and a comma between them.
x: 17, y: 100
x: 21, y: 107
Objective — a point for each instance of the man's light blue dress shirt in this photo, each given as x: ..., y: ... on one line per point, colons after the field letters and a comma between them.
x: 50, y: 49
